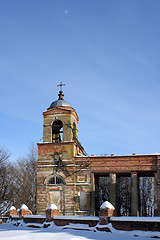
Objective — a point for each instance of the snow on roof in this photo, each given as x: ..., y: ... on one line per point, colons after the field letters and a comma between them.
x: 24, y: 206
x: 107, y: 204
x: 12, y: 208
x: 52, y: 206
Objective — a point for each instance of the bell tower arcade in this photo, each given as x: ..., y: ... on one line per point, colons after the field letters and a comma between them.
x: 60, y: 122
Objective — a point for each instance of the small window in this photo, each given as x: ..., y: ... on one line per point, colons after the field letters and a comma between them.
x: 83, y: 201
x: 56, y: 180
x: 52, y: 180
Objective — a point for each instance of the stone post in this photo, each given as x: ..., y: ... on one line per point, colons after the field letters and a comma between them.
x: 113, y: 189
x: 106, y: 211
x: 92, y: 210
x: 24, y: 211
x: 12, y: 211
x: 134, y: 195
x: 51, y: 211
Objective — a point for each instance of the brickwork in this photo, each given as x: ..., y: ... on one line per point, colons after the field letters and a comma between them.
x: 136, y: 225
x: 105, y: 213
x: 24, y: 212
x: 75, y: 194
x: 135, y: 163
x: 50, y: 213
x: 67, y: 115
x: 13, y: 212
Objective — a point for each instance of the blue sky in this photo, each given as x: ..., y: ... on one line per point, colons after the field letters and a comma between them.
x: 107, y: 54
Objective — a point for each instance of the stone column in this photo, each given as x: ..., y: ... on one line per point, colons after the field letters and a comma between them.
x: 155, y: 194
x: 113, y: 189
x: 92, y: 197
x: 134, y: 195
x: 157, y: 188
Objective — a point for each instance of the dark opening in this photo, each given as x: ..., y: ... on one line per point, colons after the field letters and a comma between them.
x: 124, y: 195
x: 102, y: 191
x: 57, y: 131
x: 146, y: 196
x: 74, y: 131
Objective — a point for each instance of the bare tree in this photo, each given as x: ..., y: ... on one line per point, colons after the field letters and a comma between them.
x: 124, y: 191
x: 4, y: 187
x: 146, y: 196
x: 23, y: 180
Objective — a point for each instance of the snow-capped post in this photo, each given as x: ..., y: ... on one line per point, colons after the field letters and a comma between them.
x: 52, y: 210
x: 24, y: 210
x: 12, y: 211
x: 106, y: 211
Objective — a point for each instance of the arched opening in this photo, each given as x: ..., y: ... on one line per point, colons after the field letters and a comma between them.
x: 57, y: 131
x: 56, y: 180
x: 74, y: 131
x: 55, y: 188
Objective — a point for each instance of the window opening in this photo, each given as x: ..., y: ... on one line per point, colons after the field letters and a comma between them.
x: 56, y: 180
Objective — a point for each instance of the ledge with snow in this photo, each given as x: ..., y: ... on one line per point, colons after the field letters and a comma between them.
x: 106, y: 215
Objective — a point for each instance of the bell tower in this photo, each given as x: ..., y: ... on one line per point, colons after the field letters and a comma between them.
x: 60, y: 122
x: 56, y: 154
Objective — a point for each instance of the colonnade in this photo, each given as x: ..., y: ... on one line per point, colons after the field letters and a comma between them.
x: 134, y: 192
x: 114, y: 195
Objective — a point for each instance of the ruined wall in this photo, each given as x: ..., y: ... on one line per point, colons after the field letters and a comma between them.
x: 55, y: 159
x: 134, y: 166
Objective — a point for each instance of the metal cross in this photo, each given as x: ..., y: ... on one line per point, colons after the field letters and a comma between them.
x: 61, y: 85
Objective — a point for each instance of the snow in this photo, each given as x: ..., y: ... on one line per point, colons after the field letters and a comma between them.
x: 79, y: 227
x: 15, y: 216
x: 24, y: 206
x: 136, y: 219
x: 107, y: 204
x: 34, y: 216
x: 52, y: 206
x: 12, y: 208
x: 70, y: 232
x: 77, y: 217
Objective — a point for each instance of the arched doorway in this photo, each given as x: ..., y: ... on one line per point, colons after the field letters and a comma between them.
x: 55, y: 189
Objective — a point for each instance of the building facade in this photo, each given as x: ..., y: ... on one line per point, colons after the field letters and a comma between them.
x: 78, y: 183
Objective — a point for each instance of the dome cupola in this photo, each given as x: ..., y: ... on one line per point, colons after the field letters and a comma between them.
x: 60, y: 102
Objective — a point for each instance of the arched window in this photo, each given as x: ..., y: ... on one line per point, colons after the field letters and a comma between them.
x: 57, y: 131
x: 56, y: 180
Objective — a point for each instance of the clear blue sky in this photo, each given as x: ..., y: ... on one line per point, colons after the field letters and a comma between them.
x: 107, y: 52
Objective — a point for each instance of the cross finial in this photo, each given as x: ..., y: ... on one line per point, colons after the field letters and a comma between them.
x: 61, y: 85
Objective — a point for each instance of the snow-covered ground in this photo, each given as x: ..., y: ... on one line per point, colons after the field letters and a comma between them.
x: 11, y: 232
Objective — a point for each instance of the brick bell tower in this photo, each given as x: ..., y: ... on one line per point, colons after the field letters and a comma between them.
x: 56, y: 167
